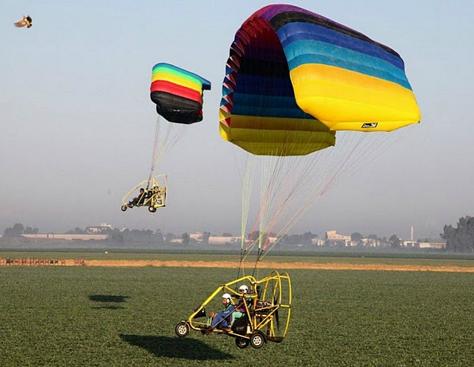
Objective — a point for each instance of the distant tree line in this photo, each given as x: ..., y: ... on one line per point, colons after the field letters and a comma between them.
x: 130, y: 236
x: 460, y: 238
x: 18, y: 230
x: 298, y: 239
x: 135, y: 235
x: 76, y: 230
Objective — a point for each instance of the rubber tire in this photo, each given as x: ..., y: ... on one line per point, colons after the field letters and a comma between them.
x: 181, y: 329
x: 151, y: 209
x: 124, y: 207
x: 257, y: 339
x: 241, y: 342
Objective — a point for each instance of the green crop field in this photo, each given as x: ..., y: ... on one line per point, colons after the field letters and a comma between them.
x: 77, y: 316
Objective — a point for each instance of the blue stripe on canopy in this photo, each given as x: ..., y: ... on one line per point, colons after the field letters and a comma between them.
x: 307, y: 31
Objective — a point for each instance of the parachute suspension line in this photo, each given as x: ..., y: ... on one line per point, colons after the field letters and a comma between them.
x: 246, y: 195
x: 270, y: 170
x: 296, y: 172
x: 263, y: 209
x: 166, y: 137
x: 341, y: 167
x: 320, y: 190
x: 265, y: 171
x: 257, y: 260
x: 288, y: 176
x: 317, y: 191
x: 375, y: 146
x: 265, y: 199
x: 251, y: 168
x: 265, y: 204
x: 283, y: 178
x: 154, y: 154
x: 241, y: 270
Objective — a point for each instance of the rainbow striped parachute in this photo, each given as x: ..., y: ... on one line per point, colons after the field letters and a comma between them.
x: 293, y: 78
x: 177, y: 93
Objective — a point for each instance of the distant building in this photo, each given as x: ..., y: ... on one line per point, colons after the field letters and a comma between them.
x: 317, y: 241
x: 335, y: 239
x: 409, y: 244
x: 66, y: 237
x: 224, y: 240
x: 432, y: 245
x: 271, y: 240
x: 101, y: 228
x: 370, y: 242
x: 197, y: 236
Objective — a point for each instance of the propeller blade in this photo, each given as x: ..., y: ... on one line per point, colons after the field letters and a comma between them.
x: 277, y: 317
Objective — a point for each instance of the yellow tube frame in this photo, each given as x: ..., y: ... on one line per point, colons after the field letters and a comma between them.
x: 261, y: 304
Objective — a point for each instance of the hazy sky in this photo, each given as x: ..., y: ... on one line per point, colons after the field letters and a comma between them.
x: 77, y: 124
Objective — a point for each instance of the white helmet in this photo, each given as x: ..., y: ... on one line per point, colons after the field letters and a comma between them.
x: 243, y: 288
x: 227, y: 296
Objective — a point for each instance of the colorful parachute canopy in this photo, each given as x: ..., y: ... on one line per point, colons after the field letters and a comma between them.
x: 177, y: 93
x: 289, y: 66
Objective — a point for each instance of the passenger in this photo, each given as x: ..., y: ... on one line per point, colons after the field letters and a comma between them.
x: 223, y: 319
x: 149, y: 193
x: 141, y: 197
x: 139, y: 200
x: 244, y: 291
x: 240, y: 309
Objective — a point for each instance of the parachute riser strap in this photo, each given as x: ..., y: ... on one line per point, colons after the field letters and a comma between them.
x: 241, y: 263
x: 257, y: 260
x: 154, y: 151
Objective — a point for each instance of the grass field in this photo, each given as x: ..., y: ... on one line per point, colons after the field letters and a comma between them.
x: 125, y: 317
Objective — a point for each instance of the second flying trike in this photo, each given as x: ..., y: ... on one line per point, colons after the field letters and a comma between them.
x: 259, y: 315
x: 149, y: 193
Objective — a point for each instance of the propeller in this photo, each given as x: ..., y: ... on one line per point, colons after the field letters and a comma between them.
x: 277, y: 317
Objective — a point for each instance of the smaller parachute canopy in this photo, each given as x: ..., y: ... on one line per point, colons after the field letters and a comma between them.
x: 178, y: 93
x: 25, y: 21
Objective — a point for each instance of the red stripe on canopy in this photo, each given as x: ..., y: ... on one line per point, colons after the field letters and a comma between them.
x: 176, y: 89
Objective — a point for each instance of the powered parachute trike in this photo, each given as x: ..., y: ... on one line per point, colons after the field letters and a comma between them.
x: 178, y: 95
x: 151, y: 194
x: 259, y: 314
x: 293, y: 80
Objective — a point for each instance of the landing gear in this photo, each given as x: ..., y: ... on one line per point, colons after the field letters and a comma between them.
x: 181, y: 329
x: 257, y: 339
